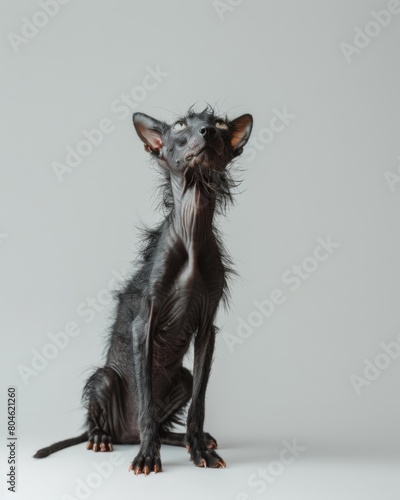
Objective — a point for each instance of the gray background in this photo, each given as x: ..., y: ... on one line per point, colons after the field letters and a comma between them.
x: 323, y: 174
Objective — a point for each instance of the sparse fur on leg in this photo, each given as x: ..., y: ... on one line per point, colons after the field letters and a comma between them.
x: 104, y: 399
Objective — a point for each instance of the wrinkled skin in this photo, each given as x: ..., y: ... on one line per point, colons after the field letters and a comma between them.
x: 174, y: 295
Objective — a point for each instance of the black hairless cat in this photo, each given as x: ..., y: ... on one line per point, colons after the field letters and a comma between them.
x: 143, y: 388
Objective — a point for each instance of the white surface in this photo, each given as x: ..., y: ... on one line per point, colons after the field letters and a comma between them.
x: 315, y: 475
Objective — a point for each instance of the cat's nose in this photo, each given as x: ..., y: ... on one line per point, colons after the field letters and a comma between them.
x: 208, y: 132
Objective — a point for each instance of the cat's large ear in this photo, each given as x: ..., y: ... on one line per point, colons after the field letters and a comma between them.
x: 150, y: 131
x: 240, y: 132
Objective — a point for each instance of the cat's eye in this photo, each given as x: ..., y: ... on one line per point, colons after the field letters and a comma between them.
x: 221, y: 124
x: 180, y: 126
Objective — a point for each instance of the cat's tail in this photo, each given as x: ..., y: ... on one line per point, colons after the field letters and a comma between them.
x: 45, y: 452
